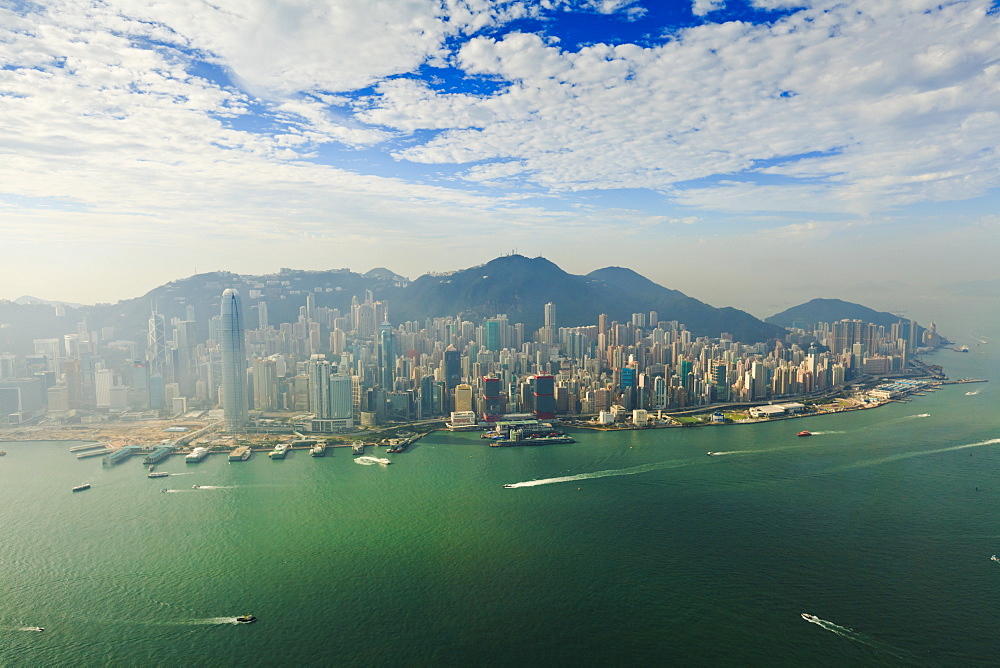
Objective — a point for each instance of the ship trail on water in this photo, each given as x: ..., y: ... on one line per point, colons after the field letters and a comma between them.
x: 861, y: 638
x: 918, y: 453
x: 634, y: 470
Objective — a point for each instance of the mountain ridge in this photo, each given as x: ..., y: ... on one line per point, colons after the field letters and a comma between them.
x: 831, y: 310
x: 514, y: 285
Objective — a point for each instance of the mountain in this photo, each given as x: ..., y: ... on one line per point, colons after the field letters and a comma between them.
x: 28, y: 299
x: 520, y: 287
x: 831, y: 310
x: 515, y: 285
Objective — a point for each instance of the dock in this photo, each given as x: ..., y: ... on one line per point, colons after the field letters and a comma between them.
x: 94, y: 453
x: 158, y: 455
x: 88, y: 446
x: 118, y: 456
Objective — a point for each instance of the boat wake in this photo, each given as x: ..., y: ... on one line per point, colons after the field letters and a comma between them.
x: 919, y: 453
x: 215, y: 620
x: 369, y: 461
x: 823, y: 433
x: 644, y: 468
x: 972, y: 394
x: 216, y: 486
x: 911, y: 417
x: 855, y: 636
x: 728, y: 452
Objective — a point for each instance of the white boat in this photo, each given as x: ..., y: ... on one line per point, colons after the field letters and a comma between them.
x: 382, y: 460
x: 809, y: 618
x: 157, y: 474
x: 995, y: 558
x: 33, y: 628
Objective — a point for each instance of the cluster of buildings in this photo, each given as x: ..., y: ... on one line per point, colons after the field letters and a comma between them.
x: 332, y: 371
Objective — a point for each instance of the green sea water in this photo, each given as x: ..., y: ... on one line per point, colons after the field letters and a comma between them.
x: 622, y: 549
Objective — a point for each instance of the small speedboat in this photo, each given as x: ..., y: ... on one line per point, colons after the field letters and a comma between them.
x: 34, y: 628
x: 508, y: 486
x: 805, y: 433
x: 995, y: 558
x: 710, y: 454
x: 195, y: 486
x: 246, y: 619
x: 809, y: 618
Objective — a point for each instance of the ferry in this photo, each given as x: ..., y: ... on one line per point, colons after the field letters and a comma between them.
x: 318, y: 450
x: 279, y: 452
x: 995, y: 558
x: 805, y: 433
x: 157, y: 474
x: 2, y: 453
x: 357, y: 448
x: 240, y: 454
x: 246, y: 619
x: 80, y: 488
x: 809, y: 618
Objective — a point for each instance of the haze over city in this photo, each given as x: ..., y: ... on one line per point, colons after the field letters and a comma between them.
x: 810, y: 148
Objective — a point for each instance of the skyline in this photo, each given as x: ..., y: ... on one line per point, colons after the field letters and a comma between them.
x: 782, y: 140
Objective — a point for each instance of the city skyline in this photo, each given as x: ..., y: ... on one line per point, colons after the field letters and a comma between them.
x: 782, y: 140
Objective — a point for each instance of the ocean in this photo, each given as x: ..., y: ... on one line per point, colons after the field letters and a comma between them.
x: 630, y: 548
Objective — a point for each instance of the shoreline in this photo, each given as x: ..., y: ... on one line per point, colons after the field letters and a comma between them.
x: 150, y: 433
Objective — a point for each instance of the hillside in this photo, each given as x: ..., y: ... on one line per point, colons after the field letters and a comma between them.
x: 831, y: 310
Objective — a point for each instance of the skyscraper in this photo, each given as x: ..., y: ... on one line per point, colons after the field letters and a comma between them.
x: 234, y: 361
x: 156, y: 345
x: 386, y: 356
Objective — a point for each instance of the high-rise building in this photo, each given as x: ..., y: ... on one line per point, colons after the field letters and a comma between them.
x: 265, y: 385
x: 549, y: 331
x: 463, y: 398
x: 543, y: 396
x: 493, y: 403
x: 386, y: 360
x: 156, y: 345
x: 452, y: 367
x: 234, y: 361
x: 319, y: 387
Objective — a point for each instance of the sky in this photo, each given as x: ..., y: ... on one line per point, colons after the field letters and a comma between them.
x: 752, y: 153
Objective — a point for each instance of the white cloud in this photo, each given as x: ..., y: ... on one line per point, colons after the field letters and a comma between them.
x: 703, y: 7
x: 907, y: 91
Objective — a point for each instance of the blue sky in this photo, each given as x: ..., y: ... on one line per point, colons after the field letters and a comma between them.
x: 722, y: 148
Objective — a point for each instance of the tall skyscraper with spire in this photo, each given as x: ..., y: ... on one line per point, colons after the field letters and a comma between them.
x: 234, y: 362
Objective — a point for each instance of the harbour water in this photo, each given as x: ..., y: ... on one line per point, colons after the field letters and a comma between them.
x: 625, y: 548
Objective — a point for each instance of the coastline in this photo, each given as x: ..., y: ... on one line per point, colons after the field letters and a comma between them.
x: 151, y: 433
